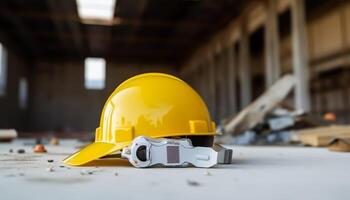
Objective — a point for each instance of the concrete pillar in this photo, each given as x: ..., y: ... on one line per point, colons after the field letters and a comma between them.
x: 272, y: 54
x: 211, y: 83
x: 231, y: 80
x: 244, y: 67
x: 300, y: 55
x: 222, y: 80
x: 218, y: 89
x: 203, y: 81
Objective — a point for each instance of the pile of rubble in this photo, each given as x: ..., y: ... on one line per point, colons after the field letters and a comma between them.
x: 268, y: 120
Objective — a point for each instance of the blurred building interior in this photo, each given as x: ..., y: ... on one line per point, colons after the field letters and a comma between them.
x: 60, y: 60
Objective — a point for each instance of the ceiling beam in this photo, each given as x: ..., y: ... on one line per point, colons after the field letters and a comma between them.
x: 74, y: 27
x: 59, y: 26
x: 117, y: 21
x: 130, y: 50
x: 21, y: 30
x: 64, y: 36
x: 170, y: 62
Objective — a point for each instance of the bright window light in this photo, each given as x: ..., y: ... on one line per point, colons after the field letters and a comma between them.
x: 3, y: 70
x: 22, y: 93
x: 95, y: 73
x: 96, y: 11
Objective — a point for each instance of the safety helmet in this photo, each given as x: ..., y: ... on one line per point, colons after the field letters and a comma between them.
x: 154, y: 105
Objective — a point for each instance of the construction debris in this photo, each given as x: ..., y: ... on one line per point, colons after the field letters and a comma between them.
x: 7, y: 135
x: 207, y: 173
x: 21, y: 151
x: 277, y: 127
x: 249, y: 117
x: 341, y: 144
x: 50, y: 169
x: 268, y: 120
x: 38, y: 141
x: 62, y: 166
x: 331, y: 117
x: 280, y: 123
x: 193, y: 183
x: 39, y: 148
x: 321, y: 136
x: 86, y: 172
x: 54, y: 141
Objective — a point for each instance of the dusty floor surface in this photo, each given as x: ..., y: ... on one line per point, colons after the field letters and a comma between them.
x: 257, y: 173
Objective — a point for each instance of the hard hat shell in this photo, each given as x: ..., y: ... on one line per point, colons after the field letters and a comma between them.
x: 153, y: 105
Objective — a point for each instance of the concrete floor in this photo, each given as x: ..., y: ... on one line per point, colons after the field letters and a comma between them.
x: 257, y: 173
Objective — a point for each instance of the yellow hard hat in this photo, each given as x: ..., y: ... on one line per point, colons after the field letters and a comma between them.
x: 154, y: 105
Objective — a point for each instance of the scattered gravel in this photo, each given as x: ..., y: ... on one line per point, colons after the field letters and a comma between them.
x: 86, y: 172
x: 207, y: 173
x: 50, y: 169
x: 21, y: 151
x: 193, y: 183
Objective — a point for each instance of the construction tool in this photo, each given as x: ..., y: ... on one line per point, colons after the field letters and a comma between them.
x: 147, y: 152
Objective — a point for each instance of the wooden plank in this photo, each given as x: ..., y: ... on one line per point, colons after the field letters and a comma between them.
x: 340, y: 144
x: 256, y: 111
x: 321, y: 136
x: 7, y: 134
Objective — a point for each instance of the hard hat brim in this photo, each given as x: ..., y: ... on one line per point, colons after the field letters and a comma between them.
x: 93, y: 151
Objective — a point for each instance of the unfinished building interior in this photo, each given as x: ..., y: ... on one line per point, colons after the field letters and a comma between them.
x: 229, y: 51
x: 226, y: 50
